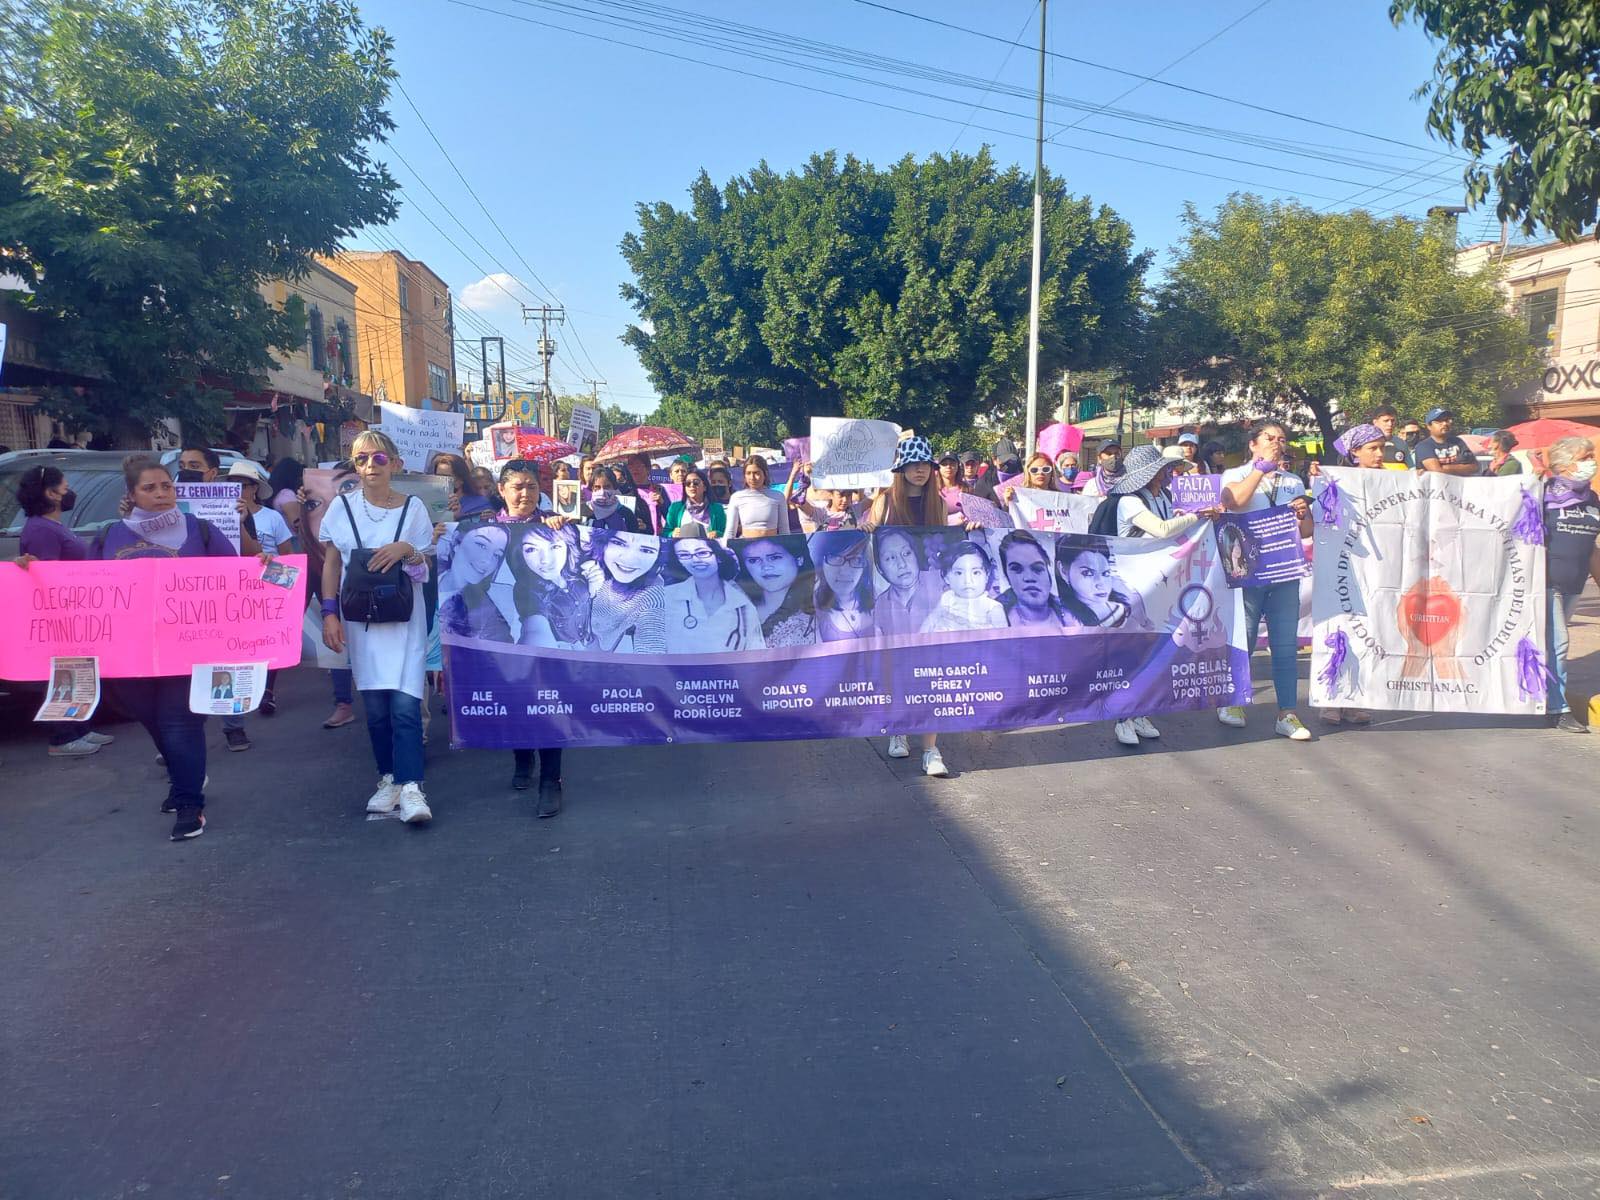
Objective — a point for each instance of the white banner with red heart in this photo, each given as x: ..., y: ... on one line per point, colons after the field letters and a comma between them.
x: 1428, y: 593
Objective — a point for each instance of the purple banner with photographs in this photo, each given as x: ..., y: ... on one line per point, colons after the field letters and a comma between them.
x: 589, y: 637
x: 1195, y: 492
x: 1261, y: 548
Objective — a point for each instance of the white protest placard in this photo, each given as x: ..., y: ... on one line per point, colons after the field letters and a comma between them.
x: 584, y: 427
x: 1052, y: 512
x: 226, y: 689
x: 74, y: 691
x: 421, y: 433
x: 848, y: 454
x: 214, y: 502
x: 480, y: 454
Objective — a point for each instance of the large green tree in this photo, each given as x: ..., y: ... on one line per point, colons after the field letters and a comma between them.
x: 843, y: 289
x: 1525, y: 74
x: 1271, y: 306
x: 159, y: 160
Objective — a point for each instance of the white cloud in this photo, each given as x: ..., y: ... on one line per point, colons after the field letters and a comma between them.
x: 490, y: 292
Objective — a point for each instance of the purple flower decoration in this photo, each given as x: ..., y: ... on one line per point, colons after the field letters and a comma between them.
x: 1339, y: 644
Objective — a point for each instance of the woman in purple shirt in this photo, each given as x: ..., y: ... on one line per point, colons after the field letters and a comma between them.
x: 44, y: 496
x: 155, y: 528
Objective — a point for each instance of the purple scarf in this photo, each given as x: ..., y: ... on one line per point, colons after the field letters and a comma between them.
x: 1561, y: 492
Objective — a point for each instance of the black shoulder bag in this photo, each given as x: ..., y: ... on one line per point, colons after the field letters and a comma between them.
x: 374, y: 597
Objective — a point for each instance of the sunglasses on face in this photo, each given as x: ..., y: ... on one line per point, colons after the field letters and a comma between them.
x: 1040, y: 470
x: 377, y: 458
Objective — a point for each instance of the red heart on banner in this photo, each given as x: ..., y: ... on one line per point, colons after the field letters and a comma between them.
x: 1432, y: 615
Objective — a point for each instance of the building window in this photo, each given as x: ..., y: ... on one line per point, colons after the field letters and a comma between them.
x: 439, y: 385
x: 405, y: 294
x: 1540, y: 311
x: 319, y: 345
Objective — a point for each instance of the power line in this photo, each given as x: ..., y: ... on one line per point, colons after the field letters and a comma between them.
x: 1098, y: 66
x: 768, y: 78
x: 1004, y: 62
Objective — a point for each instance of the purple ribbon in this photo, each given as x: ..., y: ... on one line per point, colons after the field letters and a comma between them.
x: 1529, y: 525
x: 1532, y: 675
x: 1339, y: 644
x: 1329, y: 502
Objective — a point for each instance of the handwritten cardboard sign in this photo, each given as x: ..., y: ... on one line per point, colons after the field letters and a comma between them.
x: 848, y: 455
x: 419, y: 433
x: 148, y: 616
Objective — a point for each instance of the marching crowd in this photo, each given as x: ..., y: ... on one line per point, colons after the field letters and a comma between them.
x: 598, y: 575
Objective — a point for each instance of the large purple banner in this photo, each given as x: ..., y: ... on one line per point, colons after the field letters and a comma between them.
x: 581, y: 637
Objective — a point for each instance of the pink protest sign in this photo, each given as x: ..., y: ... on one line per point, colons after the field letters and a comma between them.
x: 148, y: 616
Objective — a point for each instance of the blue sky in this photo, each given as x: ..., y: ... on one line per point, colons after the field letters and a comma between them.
x: 561, y: 134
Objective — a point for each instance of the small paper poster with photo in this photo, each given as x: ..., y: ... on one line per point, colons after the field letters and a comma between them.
x: 279, y: 574
x: 74, y: 690
x: 567, y: 498
x: 226, y: 689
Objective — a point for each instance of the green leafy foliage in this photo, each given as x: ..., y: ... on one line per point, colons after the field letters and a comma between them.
x: 843, y: 289
x: 159, y: 160
x: 1269, y: 306
x: 1525, y: 73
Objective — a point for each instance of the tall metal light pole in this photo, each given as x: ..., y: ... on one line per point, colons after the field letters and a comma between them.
x: 1038, y: 248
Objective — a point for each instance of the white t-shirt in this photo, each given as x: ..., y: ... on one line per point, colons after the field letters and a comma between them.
x: 1278, y: 488
x: 387, y: 657
x: 271, y: 529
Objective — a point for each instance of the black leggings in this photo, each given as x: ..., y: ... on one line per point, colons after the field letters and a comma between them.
x: 549, y: 763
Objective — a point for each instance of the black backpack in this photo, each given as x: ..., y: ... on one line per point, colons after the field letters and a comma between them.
x: 374, y: 597
x: 1104, y: 521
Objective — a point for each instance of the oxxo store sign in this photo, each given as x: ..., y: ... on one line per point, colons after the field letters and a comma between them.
x: 1562, y: 379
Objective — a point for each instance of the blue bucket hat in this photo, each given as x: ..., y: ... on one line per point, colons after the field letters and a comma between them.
x: 912, y: 450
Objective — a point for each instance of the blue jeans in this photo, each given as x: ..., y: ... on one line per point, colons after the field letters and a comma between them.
x: 1280, y: 604
x: 394, y: 722
x: 1558, y: 625
x: 343, y: 685
x: 161, y: 705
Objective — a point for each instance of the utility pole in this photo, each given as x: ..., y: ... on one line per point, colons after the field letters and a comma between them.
x: 1038, y: 247
x: 546, y: 314
x: 483, y: 350
x: 1066, y: 397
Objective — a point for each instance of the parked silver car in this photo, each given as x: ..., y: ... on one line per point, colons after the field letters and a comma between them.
x: 95, y: 475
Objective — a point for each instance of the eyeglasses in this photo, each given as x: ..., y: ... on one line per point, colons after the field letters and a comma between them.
x: 1040, y: 470
x: 844, y: 560
x: 697, y: 555
x: 377, y: 458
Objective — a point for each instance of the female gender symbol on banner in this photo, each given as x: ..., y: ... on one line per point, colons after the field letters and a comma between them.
x: 1199, y: 627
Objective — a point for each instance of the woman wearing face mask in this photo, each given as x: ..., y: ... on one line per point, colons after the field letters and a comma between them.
x: 388, y: 658
x: 1108, y: 466
x: 1031, y: 601
x: 786, y: 609
x: 155, y: 528
x: 1262, y: 483
x: 706, y: 612
x: 625, y: 581
x: 843, y: 590
x: 721, y: 482
x: 756, y: 510
x: 604, y: 508
x: 696, y: 505
x: 968, y: 574
x: 44, y: 497
x: 470, y: 611
x: 1067, y: 469
x: 1572, y: 548
x: 911, y: 499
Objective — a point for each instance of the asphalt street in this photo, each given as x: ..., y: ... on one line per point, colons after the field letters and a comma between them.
x: 1224, y: 964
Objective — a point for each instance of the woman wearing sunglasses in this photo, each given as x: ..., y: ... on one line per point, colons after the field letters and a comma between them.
x: 1040, y: 474
x: 707, y: 613
x: 388, y: 658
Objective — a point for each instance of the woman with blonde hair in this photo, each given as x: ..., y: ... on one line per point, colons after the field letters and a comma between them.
x: 374, y: 542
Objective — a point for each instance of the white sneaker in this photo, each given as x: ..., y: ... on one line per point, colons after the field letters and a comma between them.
x: 1125, y: 733
x: 1145, y: 728
x: 386, y: 797
x: 1233, y: 715
x: 413, y: 804
x: 99, y: 739
x: 898, y: 747
x: 76, y: 748
x: 933, y: 764
x: 1291, y: 727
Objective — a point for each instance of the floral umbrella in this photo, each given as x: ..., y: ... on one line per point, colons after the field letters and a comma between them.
x: 653, y: 441
x: 541, y: 448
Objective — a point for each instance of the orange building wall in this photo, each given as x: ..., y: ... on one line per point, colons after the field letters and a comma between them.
x: 398, y: 343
